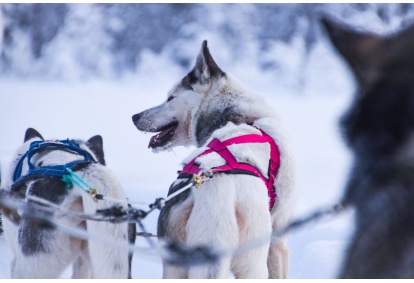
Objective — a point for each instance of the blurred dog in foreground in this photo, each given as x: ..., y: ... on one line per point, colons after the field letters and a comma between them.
x: 379, y: 129
x: 36, y: 175
x: 242, y: 145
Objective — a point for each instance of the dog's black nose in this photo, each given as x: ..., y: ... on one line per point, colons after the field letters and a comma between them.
x: 136, y: 117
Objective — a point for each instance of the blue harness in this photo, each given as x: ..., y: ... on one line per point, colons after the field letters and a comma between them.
x: 55, y: 170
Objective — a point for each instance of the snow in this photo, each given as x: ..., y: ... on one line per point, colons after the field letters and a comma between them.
x: 309, y: 108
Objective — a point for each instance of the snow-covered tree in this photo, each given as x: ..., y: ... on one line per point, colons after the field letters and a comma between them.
x: 108, y: 40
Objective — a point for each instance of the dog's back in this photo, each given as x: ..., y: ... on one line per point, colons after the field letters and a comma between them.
x: 379, y: 129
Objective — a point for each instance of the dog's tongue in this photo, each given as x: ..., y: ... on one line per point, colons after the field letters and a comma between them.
x: 158, y: 138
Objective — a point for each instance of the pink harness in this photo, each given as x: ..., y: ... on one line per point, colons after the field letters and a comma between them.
x: 232, y: 166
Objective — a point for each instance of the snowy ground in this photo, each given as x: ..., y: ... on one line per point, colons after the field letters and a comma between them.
x: 68, y: 109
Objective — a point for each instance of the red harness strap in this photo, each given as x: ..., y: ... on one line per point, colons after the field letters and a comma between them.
x: 232, y: 165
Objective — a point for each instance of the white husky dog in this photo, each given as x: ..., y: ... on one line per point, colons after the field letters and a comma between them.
x: 41, y: 252
x: 230, y: 208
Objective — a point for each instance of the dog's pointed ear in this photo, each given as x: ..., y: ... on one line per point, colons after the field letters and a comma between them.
x: 96, y: 144
x: 32, y: 133
x: 205, y: 67
x: 364, y: 52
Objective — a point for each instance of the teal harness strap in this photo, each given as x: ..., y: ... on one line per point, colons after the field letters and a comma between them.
x: 72, y: 178
x: 68, y: 181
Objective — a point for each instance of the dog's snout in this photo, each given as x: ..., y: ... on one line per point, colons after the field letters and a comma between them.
x: 136, y: 117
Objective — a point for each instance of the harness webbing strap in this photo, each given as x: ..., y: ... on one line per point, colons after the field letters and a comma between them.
x: 53, y: 170
x: 221, y: 147
x: 224, y: 152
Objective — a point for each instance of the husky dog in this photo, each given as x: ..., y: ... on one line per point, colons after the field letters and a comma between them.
x: 379, y: 129
x: 229, y: 209
x: 41, y: 252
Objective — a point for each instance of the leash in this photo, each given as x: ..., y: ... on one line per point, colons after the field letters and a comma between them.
x: 177, y: 253
x: 73, y: 178
x: 197, y: 180
x: 173, y: 253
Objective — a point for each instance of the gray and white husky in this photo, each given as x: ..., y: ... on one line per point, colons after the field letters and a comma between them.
x: 229, y: 209
x: 41, y: 252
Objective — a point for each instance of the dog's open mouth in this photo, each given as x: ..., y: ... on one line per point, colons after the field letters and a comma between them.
x: 164, y: 135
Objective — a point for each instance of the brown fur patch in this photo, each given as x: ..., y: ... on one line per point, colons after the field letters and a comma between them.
x: 187, y: 123
x: 240, y: 223
x: 178, y: 223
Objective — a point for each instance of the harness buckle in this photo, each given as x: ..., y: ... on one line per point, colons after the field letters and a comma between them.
x: 93, y: 194
x: 198, y: 180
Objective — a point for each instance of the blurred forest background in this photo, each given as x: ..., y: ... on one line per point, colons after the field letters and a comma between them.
x: 80, y: 41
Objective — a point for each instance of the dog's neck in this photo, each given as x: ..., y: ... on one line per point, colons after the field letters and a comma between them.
x: 227, y: 101
x: 216, y: 120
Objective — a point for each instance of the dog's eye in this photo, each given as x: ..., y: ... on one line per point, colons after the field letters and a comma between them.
x: 170, y: 98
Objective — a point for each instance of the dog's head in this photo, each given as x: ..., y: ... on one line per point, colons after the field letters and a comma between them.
x: 173, y: 119
x: 47, y: 154
x: 381, y: 119
x: 55, y: 155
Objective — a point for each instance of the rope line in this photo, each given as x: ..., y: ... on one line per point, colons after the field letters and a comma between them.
x: 171, y: 252
x: 196, y: 181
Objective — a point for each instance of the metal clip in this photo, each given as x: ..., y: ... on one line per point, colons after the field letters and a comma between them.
x: 198, y: 180
x: 93, y: 193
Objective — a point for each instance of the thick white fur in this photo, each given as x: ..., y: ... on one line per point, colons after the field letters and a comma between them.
x: 91, y: 259
x: 229, y: 210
